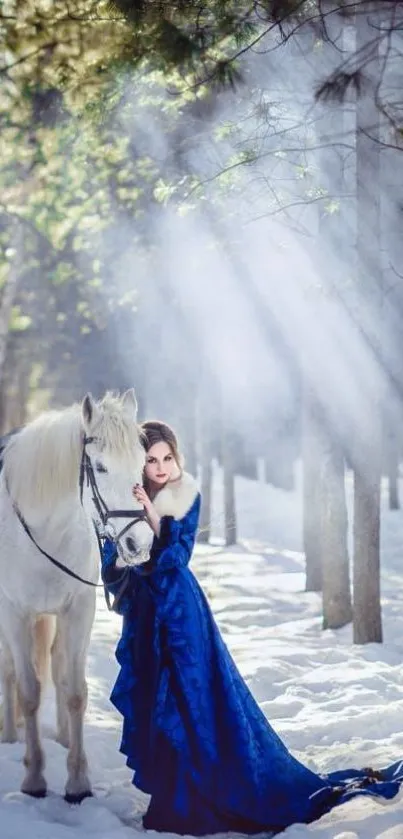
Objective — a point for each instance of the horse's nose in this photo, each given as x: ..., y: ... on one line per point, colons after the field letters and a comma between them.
x: 130, y: 544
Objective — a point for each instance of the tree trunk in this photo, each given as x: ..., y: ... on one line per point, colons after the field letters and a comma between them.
x: 206, y: 477
x: 204, y: 451
x: 394, y: 501
x: 311, y: 491
x: 230, y: 523
x: 325, y: 515
x: 16, y: 383
x: 367, y: 454
x: 190, y: 448
x: 204, y: 534
x: 392, y: 470
x: 334, y: 237
x: 367, y: 610
x: 337, y: 609
x: 9, y: 293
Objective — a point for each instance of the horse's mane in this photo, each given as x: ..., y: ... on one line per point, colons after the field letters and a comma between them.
x: 42, y: 461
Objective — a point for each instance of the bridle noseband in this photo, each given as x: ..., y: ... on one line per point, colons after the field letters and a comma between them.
x: 104, y: 513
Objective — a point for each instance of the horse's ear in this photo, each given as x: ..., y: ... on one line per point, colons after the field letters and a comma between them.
x: 88, y: 408
x: 129, y: 401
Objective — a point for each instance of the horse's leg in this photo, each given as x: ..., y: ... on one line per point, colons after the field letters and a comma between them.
x: 20, y: 636
x: 76, y: 625
x: 60, y: 683
x: 44, y: 633
x: 9, y: 692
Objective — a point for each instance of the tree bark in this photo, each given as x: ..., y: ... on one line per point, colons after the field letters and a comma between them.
x: 311, y: 491
x: 16, y: 388
x: 337, y: 608
x: 206, y: 476
x: 9, y: 293
x: 204, y: 534
x: 334, y: 237
x: 392, y: 469
x: 325, y: 515
x: 367, y: 610
x: 188, y: 435
x: 394, y: 500
x: 230, y: 522
x: 367, y: 453
x: 204, y: 450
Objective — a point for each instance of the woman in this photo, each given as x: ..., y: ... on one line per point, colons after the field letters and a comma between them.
x: 193, y: 734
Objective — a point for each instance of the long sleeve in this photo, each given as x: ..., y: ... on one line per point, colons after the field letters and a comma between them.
x: 173, y: 548
x: 116, y: 580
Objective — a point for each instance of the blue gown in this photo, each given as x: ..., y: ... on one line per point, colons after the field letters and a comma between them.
x: 193, y: 734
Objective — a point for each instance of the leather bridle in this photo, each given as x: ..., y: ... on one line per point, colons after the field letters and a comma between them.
x: 104, y: 513
x: 87, y: 472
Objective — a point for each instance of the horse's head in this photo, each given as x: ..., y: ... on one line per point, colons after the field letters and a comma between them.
x: 113, y: 461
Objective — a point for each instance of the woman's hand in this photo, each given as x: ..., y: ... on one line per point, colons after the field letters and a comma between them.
x: 141, y: 496
x: 152, y: 515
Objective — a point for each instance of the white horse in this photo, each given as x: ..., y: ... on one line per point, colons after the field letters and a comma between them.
x: 42, y: 509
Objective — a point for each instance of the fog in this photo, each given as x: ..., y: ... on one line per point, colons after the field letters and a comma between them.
x: 260, y: 257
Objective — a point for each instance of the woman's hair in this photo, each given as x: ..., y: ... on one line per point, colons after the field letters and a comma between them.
x: 154, y: 431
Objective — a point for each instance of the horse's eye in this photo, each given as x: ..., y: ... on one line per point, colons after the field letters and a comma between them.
x: 100, y: 467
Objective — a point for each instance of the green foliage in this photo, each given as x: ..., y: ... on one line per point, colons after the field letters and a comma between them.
x: 71, y: 175
x: 18, y: 321
x: 81, y: 85
x: 202, y: 37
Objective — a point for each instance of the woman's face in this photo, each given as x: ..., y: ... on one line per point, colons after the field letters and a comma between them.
x: 160, y: 465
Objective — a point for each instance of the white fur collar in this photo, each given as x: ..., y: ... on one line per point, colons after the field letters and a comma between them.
x: 176, y: 498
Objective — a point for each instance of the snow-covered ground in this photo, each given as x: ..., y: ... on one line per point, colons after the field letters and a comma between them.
x: 334, y: 704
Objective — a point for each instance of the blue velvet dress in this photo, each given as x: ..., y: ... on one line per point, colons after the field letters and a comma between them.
x: 193, y: 734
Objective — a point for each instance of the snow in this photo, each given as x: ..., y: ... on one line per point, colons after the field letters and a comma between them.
x: 335, y: 705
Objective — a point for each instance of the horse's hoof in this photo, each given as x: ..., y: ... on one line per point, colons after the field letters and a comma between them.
x: 38, y: 793
x: 77, y: 798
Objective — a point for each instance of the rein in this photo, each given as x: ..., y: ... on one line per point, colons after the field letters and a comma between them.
x: 51, y: 558
x: 87, y: 471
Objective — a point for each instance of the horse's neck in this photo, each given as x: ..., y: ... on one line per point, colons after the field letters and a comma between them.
x: 57, y: 524
x: 57, y: 529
